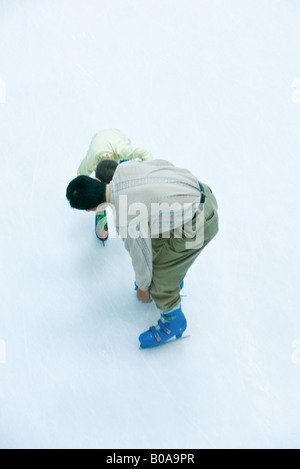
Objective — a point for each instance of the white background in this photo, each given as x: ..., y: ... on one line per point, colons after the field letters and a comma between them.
x: 211, y: 86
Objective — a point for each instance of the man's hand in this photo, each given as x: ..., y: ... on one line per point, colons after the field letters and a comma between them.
x: 144, y: 296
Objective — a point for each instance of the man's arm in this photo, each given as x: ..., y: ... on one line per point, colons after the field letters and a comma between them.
x: 140, y: 250
x: 144, y: 296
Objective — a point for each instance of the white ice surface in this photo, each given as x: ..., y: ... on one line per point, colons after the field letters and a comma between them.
x: 211, y: 86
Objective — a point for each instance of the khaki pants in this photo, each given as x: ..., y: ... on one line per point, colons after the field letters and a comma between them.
x: 172, y: 259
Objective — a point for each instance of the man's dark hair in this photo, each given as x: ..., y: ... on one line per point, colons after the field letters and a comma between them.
x: 85, y: 193
x: 105, y: 170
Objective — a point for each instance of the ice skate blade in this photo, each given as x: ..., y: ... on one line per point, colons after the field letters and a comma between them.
x: 103, y: 241
x: 170, y: 341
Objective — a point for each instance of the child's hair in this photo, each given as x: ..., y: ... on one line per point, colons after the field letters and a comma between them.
x: 105, y: 170
x: 85, y: 193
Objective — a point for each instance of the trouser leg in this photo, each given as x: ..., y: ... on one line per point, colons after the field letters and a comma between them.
x: 170, y: 265
x: 172, y: 259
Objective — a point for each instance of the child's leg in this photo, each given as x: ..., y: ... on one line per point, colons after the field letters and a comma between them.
x: 101, y: 226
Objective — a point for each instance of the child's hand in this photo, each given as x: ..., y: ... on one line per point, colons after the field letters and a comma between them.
x: 144, y: 296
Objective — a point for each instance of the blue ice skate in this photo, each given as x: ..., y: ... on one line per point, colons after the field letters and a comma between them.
x: 170, y: 325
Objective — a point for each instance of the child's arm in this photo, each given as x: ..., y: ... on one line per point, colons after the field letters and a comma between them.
x: 87, y: 165
x: 136, y: 153
x: 142, y: 153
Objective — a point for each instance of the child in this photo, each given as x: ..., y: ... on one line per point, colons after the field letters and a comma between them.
x: 110, y: 144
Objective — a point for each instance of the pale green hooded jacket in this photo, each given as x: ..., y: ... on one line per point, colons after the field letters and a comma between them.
x: 110, y: 143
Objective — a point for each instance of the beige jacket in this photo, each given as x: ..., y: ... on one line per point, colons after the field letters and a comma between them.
x: 114, y: 144
x: 142, y: 194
